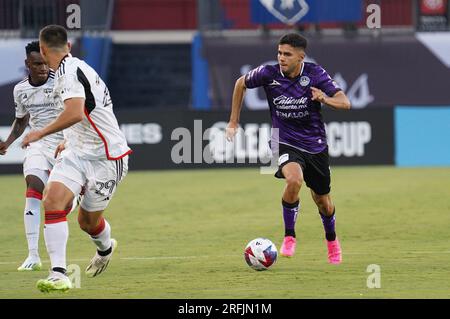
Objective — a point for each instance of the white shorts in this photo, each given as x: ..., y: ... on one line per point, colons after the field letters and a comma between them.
x: 99, y: 177
x: 39, y: 161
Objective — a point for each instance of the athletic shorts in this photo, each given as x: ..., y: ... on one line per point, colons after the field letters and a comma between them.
x: 315, y: 167
x: 39, y: 161
x: 99, y: 178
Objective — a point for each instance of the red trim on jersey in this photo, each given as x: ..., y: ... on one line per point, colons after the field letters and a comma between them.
x: 32, y: 193
x: 104, y: 140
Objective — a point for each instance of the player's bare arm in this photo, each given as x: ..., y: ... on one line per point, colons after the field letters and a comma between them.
x: 236, y: 106
x: 72, y: 114
x: 338, y: 101
x: 18, y: 127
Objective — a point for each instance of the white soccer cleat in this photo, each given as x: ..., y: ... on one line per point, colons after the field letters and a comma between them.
x: 99, y: 263
x: 31, y: 264
x: 56, y: 281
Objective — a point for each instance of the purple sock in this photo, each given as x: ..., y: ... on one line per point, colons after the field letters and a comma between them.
x: 329, y: 226
x: 290, y: 212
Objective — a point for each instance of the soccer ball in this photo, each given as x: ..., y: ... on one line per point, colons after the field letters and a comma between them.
x: 260, y: 254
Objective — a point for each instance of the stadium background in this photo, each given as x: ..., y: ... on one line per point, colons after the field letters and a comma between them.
x: 171, y: 63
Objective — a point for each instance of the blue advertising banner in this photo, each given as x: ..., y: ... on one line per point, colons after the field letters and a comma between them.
x: 422, y: 136
x: 293, y: 11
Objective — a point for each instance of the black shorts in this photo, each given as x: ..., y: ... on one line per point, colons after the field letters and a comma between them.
x: 315, y: 167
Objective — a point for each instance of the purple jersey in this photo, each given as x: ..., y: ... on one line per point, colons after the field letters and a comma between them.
x: 297, y: 117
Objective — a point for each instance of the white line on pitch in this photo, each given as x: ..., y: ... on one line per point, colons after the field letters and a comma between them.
x: 235, y: 255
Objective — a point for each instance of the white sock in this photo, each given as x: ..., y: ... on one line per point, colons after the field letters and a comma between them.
x: 32, y: 221
x: 102, y: 237
x: 56, y: 236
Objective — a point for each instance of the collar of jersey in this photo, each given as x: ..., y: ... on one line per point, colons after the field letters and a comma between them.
x: 300, y: 74
x: 68, y: 55
x: 29, y: 81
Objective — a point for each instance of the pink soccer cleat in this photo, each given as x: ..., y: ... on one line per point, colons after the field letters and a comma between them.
x: 334, y: 252
x: 288, y: 246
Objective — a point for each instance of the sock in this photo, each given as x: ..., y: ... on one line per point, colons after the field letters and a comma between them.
x: 32, y: 220
x: 101, y: 236
x: 329, y: 226
x: 56, y: 233
x: 290, y: 212
x: 58, y: 269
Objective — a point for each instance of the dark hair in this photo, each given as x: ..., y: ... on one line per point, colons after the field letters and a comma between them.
x: 32, y: 47
x: 54, y: 36
x: 294, y: 40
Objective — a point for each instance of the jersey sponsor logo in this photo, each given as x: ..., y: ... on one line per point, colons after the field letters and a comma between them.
x: 283, y: 102
x: 292, y: 115
x: 304, y: 80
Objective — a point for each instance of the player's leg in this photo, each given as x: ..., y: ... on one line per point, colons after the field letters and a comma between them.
x: 57, y: 197
x: 318, y: 179
x: 35, y: 180
x: 293, y: 175
x: 104, y: 177
x: 66, y: 180
x: 327, y: 214
x: 36, y: 166
x: 99, y: 231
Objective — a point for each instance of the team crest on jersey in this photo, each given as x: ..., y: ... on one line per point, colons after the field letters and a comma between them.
x: 48, y: 92
x: 304, y: 80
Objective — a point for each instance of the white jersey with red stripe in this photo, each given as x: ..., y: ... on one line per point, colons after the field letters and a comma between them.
x: 98, y: 135
x: 43, y: 108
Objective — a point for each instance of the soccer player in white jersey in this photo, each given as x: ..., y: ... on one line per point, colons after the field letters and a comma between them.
x: 35, y: 106
x: 95, y: 155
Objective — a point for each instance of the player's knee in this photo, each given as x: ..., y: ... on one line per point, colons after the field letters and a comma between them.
x: 51, y: 202
x: 39, y: 187
x: 34, y: 183
x: 325, y: 207
x: 294, y: 182
x: 86, y: 225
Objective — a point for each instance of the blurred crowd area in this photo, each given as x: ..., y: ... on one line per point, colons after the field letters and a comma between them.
x: 169, y: 63
x: 178, y: 14
x: 164, y: 53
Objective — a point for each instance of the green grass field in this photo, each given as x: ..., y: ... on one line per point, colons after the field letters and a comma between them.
x: 182, y: 233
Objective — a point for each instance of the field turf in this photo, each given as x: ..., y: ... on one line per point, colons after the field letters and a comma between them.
x: 182, y: 234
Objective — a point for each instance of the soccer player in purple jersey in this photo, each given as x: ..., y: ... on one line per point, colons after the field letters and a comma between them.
x: 295, y: 92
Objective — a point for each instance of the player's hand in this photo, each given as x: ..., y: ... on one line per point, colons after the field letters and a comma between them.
x: 231, y: 131
x: 318, y: 95
x: 3, y: 148
x: 31, y: 137
x: 61, y: 147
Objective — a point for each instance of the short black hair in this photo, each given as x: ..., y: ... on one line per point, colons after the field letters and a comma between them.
x: 294, y: 40
x: 32, y: 47
x: 54, y: 36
